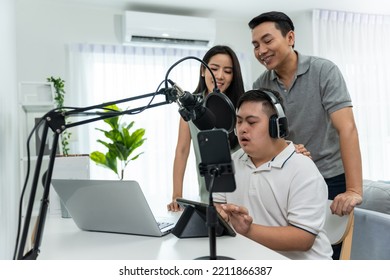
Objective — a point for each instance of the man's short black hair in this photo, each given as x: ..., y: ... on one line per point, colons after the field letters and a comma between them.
x: 281, y: 20
x: 260, y: 95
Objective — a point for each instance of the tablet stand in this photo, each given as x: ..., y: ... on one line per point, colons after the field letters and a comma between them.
x: 214, y: 170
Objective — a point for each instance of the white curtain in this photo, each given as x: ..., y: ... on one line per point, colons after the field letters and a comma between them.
x: 359, y: 45
x: 101, y: 73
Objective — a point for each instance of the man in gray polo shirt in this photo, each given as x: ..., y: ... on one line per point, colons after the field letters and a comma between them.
x: 317, y: 104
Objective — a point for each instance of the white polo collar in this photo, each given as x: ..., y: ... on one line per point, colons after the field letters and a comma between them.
x: 276, y: 162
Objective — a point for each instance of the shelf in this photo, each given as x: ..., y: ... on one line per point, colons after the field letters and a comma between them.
x: 37, y: 107
x: 36, y: 93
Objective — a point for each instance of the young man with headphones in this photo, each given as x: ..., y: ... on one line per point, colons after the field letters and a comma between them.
x: 280, y: 198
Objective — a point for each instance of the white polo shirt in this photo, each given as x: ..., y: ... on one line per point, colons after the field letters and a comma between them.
x: 288, y: 190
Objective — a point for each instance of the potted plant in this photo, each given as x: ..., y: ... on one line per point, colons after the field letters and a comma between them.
x: 121, y: 144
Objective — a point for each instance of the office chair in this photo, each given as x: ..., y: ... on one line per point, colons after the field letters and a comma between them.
x: 371, y: 238
x: 337, y: 227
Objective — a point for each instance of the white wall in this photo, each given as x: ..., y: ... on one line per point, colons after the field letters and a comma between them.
x: 303, y: 31
x: 44, y: 29
x: 8, y: 130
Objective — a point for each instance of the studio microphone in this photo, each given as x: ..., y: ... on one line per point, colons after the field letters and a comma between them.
x: 192, y: 108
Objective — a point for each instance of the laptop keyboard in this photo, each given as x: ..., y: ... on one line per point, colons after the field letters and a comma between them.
x: 163, y: 225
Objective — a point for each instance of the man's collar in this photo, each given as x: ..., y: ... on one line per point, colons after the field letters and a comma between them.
x: 303, y: 65
x: 277, y: 162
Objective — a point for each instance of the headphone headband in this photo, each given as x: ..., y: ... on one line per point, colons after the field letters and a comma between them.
x: 275, y: 102
x: 278, y: 125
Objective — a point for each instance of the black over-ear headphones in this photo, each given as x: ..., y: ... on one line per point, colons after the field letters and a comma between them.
x: 278, y: 125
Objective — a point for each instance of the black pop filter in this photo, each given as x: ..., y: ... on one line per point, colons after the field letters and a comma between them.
x: 223, y: 109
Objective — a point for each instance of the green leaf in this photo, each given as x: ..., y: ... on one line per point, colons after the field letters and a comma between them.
x: 114, y: 121
x: 120, y: 142
x: 108, y: 160
x: 98, y: 157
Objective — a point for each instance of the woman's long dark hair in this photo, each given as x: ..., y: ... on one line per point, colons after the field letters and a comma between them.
x: 236, y: 87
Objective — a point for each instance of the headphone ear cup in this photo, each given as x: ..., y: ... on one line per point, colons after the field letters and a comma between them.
x: 278, y: 127
x: 283, y: 127
x: 273, y: 126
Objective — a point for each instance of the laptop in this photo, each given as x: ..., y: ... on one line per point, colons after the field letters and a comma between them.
x: 110, y: 206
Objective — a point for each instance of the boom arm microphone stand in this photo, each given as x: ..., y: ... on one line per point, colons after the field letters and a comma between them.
x: 55, y: 120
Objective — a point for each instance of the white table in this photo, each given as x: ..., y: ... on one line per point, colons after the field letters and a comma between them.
x: 63, y: 240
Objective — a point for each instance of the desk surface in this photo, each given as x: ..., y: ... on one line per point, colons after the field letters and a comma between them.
x: 62, y: 239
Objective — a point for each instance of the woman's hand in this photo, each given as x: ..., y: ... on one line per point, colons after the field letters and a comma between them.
x: 174, y: 206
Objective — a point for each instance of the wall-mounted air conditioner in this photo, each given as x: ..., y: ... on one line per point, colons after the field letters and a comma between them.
x: 151, y: 28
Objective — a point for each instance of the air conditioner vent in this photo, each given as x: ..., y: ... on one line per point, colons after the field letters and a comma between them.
x: 164, y: 29
x: 173, y: 41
